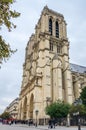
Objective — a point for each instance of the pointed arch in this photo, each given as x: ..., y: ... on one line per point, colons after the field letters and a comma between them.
x: 50, y: 26
x: 57, y: 29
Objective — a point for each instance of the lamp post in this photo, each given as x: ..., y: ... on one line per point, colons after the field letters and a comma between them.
x: 36, y: 112
x: 68, y: 120
x: 78, y: 102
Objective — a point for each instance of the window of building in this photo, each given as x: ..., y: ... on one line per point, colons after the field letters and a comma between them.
x: 58, y: 49
x: 50, y: 26
x: 51, y: 46
x: 57, y: 29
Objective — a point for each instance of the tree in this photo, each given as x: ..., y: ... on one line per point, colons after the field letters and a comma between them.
x: 78, y: 109
x: 5, y: 115
x: 83, y: 96
x: 58, y: 109
x: 6, y: 14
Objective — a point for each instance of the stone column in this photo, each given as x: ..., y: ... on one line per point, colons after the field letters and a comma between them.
x: 46, y: 23
x: 67, y: 86
x: 43, y: 23
x: 64, y: 30
x: 57, y: 80
x: 67, y: 78
x: 53, y: 28
x: 77, y: 89
x: 59, y: 83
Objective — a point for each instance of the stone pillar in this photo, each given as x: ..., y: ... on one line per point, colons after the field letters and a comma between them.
x: 64, y: 30
x: 60, y: 29
x: 19, y: 112
x: 68, y: 86
x: 67, y: 78
x: 57, y: 80
x: 22, y: 113
x: 54, y: 28
x: 43, y: 23
x: 46, y: 23
x: 77, y: 89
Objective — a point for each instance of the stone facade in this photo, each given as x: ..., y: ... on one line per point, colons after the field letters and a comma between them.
x: 12, y: 109
x: 47, y: 74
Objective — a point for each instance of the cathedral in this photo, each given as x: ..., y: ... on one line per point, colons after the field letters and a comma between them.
x: 48, y: 75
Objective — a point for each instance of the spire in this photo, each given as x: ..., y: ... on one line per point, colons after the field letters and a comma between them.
x: 46, y: 7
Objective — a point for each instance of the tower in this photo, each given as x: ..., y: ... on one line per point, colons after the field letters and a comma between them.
x: 46, y: 71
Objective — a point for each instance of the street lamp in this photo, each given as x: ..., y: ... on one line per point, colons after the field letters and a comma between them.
x: 78, y: 102
x: 36, y: 112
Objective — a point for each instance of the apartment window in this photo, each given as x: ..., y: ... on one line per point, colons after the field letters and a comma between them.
x: 50, y: 26
x: 57, y: 29
x: 51, y: 46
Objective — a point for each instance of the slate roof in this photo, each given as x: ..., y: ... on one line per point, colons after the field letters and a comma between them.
x: 77, y: 68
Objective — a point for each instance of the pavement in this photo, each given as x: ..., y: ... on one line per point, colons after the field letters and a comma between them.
x: 26, y: 127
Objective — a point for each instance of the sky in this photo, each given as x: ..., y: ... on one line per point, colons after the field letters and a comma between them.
x: 74, y: 12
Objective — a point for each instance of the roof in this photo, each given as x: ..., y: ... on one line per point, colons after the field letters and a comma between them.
x: 52, y: 11
x: 77, y: 68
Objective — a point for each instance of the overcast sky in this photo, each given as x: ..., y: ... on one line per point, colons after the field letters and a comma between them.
x: 74, y: 12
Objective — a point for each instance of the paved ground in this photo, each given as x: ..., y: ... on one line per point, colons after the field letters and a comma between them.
x: 26, y: 127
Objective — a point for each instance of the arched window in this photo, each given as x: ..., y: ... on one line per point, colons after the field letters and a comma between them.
x: 50, y: 26
x: 57, y: 29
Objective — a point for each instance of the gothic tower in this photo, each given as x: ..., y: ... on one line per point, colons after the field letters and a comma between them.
x: 46, y: 71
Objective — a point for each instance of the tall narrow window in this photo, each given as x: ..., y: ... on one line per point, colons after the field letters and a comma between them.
x: 58, y: 49
x: 51, y: 46
x: 57, y: 29
x: 50, y: 26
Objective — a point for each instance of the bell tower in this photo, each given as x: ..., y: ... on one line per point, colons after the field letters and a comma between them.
x: 46, y: 71
x: 54, y: 41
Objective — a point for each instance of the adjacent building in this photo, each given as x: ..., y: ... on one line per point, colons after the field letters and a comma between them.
x: 47, y: 73
x: 12, y: 109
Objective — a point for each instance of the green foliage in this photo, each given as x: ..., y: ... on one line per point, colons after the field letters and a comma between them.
x: 5, y: 50
x: 6, y: 14
x: 58, y: 109
x: 7, y: 0
x: 5, y: 115
x: 78, y: 108
x: 83, y: 96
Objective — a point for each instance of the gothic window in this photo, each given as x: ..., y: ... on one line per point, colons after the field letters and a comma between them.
x: 57, y: 29
x: 37, y: 81
x: 51, y: 46
x: 50, y: 26
x: 58, y: 49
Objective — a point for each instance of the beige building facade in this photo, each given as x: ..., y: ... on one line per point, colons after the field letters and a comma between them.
x: 12, y: 109
x: 47, y: 74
